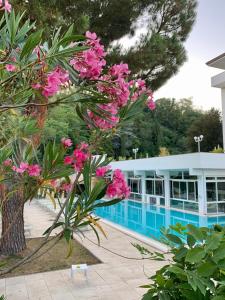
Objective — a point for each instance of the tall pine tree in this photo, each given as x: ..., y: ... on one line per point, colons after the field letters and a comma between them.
x: 158, y: 52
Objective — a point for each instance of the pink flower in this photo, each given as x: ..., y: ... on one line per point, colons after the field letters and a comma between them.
x: 151, y: 105
x: 34, y: 170
x: 68, y: 160
x: 120, y: 70
x: 36, y: 86
x: 10, y: 68
x: 89, y: 63
x: 66, y: 142
x: 22, y: 168
x: 79, y: 157
x: 101, y: 171
x: 54, y: 81
x: 66, y: 187
x: 118, y: 188
x: 91, y: 36
x: 109, y: 119
x: 7, y: 7
x: 7, y: 162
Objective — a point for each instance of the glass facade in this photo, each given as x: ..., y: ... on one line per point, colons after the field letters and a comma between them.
x: 154, y: 187
x: 183, y: 191
x: 215, y: 193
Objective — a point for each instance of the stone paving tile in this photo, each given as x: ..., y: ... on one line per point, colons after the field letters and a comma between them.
x: 116, y: 278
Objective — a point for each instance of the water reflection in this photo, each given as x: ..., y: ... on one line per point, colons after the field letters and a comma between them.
x: 147, y: 219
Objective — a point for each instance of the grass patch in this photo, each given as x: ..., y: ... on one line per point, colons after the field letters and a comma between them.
x: 53, y: 259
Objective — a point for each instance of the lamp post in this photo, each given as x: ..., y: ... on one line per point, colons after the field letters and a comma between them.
x: 135, y: 151
x: 198, y: 139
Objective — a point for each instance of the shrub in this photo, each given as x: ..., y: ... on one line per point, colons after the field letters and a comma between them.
x: 196, y: 268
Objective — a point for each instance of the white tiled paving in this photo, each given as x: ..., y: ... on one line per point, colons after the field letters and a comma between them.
x: 115, y: 278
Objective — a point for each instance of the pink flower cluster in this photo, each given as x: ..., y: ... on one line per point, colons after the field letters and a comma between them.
x: 150, y: 103
x: 66, y: 142
x: 110, y: 116
x: 118, y: 188
x: 53, y: 82
x: 7, y: 162
x: 10, y: 68
x: 101, y: 171
x: 78, y: 158
x: 114, y: 84
x: 7, y: 7
x: 32, y: 170
x: 66, y: 187
x: 89, y: 63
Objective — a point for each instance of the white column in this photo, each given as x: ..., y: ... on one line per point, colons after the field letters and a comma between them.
x: 143, y: 187
x: 223, y: 115
x: 202, y: 202
x: 167, y: 189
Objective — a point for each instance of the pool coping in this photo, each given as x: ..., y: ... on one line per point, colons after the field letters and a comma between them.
x: 150, y: 242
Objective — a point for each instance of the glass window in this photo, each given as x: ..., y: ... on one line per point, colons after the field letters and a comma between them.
x: 159, y: 188
x: 183, y: 190
x: 221, y: 208
x: 211, y: 208
x: 191, y: 191
x: 130, y: 174
x: 221, y: 191
x: 196, y: 190
x: 176, y: 175
x: 191, y: 206
x: 211, y: 191
x: 149, y: 187
x: 152, y: 200
x: 162, y: 201
x: 150, y: 174
x: 177, y: 204
x: 135, y: 185
x: 176, y: 189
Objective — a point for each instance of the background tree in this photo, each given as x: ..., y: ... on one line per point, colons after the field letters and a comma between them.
x: 158, y: 52
x: 210, y: 125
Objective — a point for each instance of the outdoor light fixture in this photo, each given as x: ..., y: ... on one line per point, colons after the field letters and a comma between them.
x: 198, y: 139
x: 135, y: 151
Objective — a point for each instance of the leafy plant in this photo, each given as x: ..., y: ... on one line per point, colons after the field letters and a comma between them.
x: 196, y: 268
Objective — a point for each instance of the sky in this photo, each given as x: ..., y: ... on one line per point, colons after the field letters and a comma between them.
x: 206, y: 41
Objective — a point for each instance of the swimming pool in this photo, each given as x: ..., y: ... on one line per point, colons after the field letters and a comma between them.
x: 146, y: 219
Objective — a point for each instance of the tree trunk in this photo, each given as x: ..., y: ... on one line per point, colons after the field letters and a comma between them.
x: 13, y: 238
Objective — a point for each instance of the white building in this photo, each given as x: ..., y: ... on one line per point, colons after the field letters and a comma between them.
x: 190, y: 182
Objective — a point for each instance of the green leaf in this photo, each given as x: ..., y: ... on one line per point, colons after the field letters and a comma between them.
x: 190, y: 240
x: 181, y: 253
x: 33, y: 40
x: 195, y: 255
x: 218, y: 298
x: 219, y: 253
x: 173, y: 238
x: 213, y: 241
x: 108, y: 203
x: 195, y: 232
x: 176, y: 270
x: 206, y: 269
x: 56, y: 225
x: 164, y: 296
x: 67, y: 234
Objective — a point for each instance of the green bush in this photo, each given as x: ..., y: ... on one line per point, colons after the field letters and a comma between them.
x: 196, y: 268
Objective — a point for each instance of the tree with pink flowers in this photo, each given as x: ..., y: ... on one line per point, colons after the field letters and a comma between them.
x: 37, y: 75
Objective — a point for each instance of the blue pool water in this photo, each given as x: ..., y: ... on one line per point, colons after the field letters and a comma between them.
x: 147, y: 219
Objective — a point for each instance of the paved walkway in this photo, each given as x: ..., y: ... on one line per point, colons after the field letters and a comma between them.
x: 115, y: 278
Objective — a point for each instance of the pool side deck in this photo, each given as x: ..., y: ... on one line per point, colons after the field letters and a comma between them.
x: 115, y: 278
